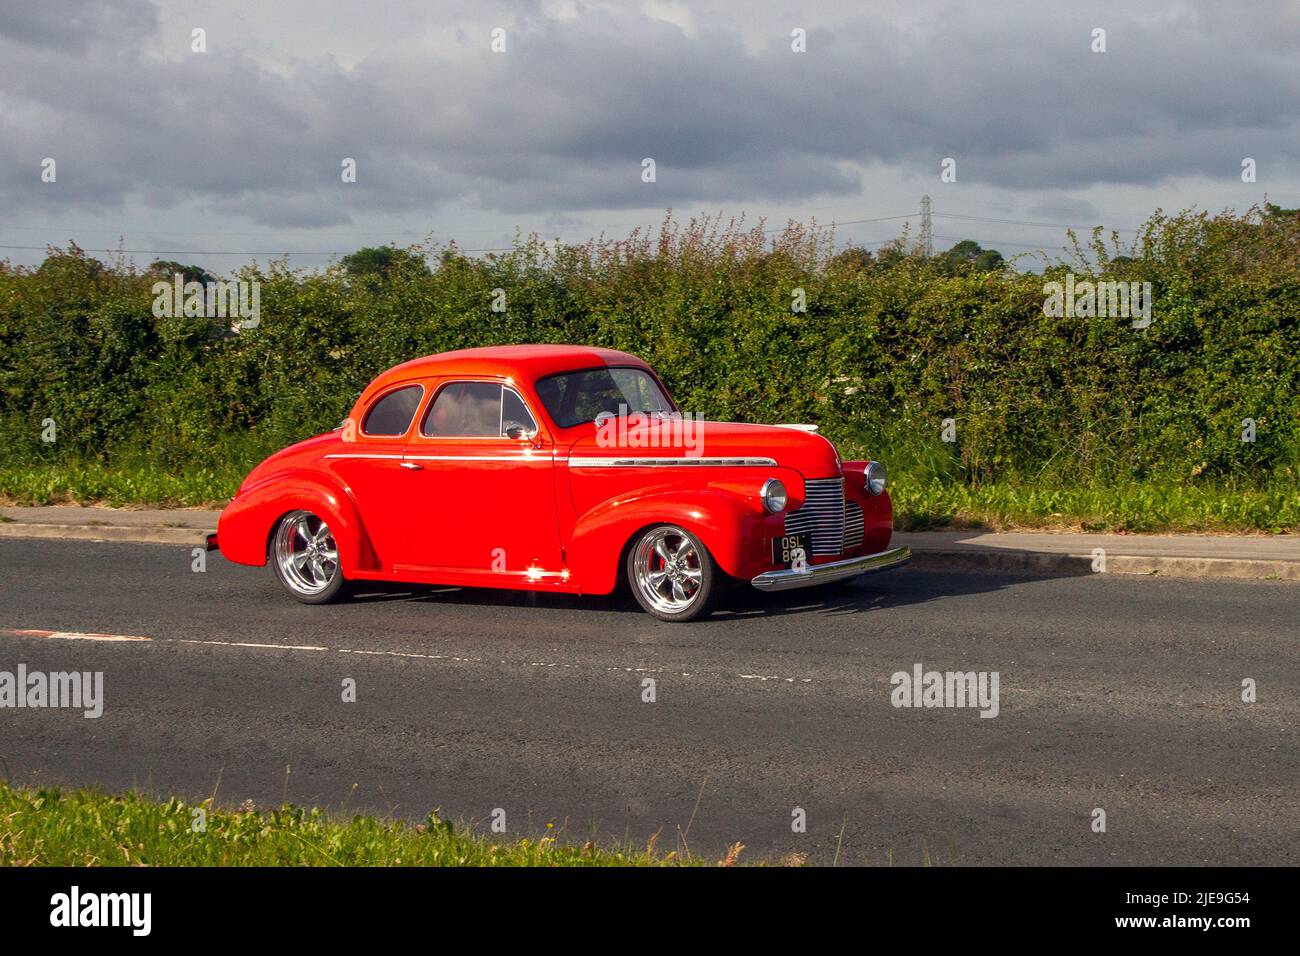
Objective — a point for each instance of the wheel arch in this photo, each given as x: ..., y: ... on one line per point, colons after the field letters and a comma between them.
x: 246, y: 526
x: 719, y: 520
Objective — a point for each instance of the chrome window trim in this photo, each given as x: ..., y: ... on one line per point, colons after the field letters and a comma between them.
x: 501, y: 405
x: 522, y: 401
x: 365, y: 417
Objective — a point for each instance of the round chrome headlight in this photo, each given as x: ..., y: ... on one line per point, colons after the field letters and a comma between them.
x: 773, y: 495
x: 875, y: 477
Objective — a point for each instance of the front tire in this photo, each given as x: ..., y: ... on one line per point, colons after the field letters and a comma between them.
x: 305, y: 558
x: 672, y: 575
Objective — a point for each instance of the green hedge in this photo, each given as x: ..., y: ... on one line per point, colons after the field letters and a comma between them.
x: 889, y: 347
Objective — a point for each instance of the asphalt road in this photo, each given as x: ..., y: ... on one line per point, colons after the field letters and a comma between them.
x: 1115, y: 692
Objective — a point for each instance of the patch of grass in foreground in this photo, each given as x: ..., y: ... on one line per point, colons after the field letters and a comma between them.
x: 49, y: 827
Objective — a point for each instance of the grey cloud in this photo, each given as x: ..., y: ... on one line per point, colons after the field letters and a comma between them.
x: 1065, y: 209
x: 73, y: 26
x: 561, y: 122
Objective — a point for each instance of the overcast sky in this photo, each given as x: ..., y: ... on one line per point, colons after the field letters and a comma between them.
x: 239, y: 149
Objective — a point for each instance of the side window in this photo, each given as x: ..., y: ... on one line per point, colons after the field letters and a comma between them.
x: 476, y: 410
x: 515, y: 414
x: 392, y: 414
x: 464, y: 410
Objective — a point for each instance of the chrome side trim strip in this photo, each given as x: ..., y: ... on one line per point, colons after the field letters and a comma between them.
x: 364, y: 455
x: 580, y: 462
x: 518, y: 458
x: 787, y: 579
x: 584, y: 462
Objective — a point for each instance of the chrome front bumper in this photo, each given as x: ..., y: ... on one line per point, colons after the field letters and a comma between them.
x: 788, y: 578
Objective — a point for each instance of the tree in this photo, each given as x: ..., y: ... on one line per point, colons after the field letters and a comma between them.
x: 968, y: 255
x: 167, y: 268
x: 383, y: 261
x: 855, y: 258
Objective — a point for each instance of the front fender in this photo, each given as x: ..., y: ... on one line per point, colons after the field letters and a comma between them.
x: 727, y: 523
x: 245, y: 526
x: 877, y: 510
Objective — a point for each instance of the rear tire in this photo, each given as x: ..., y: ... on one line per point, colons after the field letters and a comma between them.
x: 672, y: 575
x: 305, y: 558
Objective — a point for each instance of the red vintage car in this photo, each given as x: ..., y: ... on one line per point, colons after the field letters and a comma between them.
x: 556, y: 468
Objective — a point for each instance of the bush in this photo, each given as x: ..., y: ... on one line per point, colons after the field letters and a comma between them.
x: 890, y: 346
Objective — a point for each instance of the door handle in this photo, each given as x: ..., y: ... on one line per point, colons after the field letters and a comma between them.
x: 412, y: 466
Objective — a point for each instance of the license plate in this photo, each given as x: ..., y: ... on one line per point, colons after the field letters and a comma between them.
x: 784, y: 547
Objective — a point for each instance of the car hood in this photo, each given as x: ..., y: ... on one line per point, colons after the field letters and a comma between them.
x: 807, y: 453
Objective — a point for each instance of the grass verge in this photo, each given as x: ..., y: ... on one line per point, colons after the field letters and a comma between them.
x: 921, y: 501
x: 1137, y: 507
x: 85, y: 827
x: 128, y: 484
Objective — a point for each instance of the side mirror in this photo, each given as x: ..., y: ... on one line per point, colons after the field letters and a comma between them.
x: 519, y: 433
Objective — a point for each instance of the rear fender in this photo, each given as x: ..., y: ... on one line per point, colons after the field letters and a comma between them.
x: 245, y: 526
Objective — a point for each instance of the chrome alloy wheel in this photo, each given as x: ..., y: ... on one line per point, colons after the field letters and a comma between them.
x: 667, y: 570
x: 305, y: 553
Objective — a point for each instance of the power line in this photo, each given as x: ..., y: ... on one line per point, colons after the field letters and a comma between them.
x: 210, y: 252
x: 1023, y: 222
x: 994, y: 242
x: 413, y: 233
x: 924, y: 213
x: 854, y: 222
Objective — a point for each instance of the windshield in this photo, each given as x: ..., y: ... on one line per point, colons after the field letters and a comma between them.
x: 572, y: 398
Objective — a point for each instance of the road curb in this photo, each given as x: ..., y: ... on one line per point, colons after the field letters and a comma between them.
x: 90, y: 532
x: 974, y: 558
x: 1042, y: 562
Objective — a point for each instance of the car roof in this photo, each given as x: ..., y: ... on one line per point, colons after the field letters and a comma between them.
x: 521, y: 362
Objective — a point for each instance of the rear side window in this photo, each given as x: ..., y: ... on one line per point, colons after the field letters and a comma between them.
x: 392, y: 414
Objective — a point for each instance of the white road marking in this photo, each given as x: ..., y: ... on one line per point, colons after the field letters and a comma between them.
x: 71, y: 635
x: 767, y: 677
x: 79, y: 636
x: 426, y: 657
x: 277, y: 647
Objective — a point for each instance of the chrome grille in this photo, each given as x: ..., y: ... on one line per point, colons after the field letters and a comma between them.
x: 822, y: 514
x: 853, y: 528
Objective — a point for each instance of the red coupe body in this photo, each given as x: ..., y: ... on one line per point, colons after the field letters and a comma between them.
x: 556, y: 488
